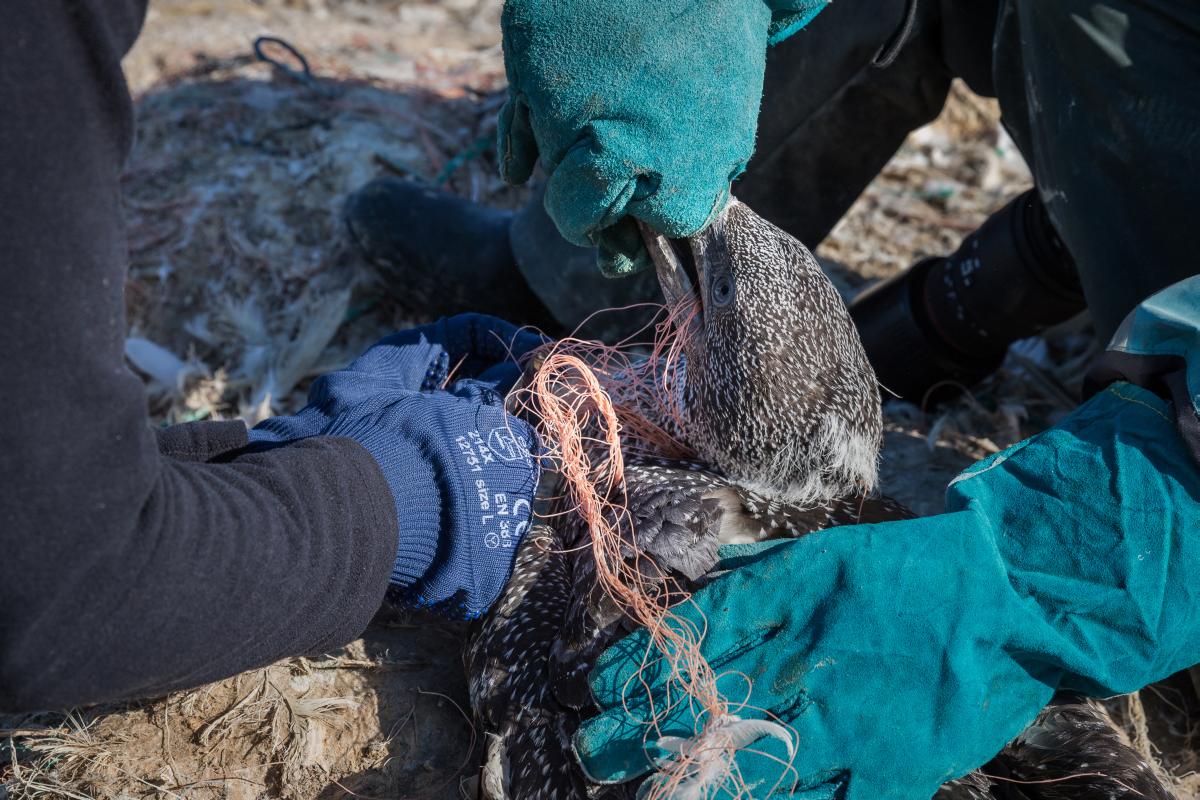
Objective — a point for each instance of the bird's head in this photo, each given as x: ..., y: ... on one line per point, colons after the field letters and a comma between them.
x: 777, y: 391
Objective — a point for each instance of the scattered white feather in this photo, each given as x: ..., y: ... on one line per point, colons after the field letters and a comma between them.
x: 167, y: 372
x: 315, y: 326
x: 712, y: 749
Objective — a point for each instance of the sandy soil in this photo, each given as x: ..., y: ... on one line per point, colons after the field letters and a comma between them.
x: 242, y: 286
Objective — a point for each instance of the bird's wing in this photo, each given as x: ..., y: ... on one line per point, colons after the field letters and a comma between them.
x: 1074, y: 749
x: 674, y: 535
x: 677, y: 515
x: 784, y: 520
x: 972, y: 786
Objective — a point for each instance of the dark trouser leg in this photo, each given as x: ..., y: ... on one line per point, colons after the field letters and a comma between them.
x: 569, y: 284
x: 1104, y: 101
x: 830, y: 121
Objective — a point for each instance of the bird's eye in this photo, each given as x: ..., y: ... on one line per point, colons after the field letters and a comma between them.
x: 721, y: 291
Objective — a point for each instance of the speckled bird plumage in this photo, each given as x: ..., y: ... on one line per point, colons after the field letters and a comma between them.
x: 782, y: 408
x: 779, y: 393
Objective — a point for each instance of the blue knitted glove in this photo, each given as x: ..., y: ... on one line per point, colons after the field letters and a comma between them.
x: 475, y: 346
x: 645, y: 108
x: 907, y: 653
x: 461, y: 470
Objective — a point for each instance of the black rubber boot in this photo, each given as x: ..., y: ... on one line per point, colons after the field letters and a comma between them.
x: 440, y: 254
x: 947, y: 322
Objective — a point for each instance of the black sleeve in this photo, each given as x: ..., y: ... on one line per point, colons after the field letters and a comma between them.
x: 201, y: 441
x: 125, y: 570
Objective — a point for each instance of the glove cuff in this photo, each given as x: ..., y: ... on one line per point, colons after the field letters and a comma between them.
x: 419, y: 505
x: 415, y: 486
x: 281, y: 430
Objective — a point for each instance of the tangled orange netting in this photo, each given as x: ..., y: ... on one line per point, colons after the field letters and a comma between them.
x: 592, y: 404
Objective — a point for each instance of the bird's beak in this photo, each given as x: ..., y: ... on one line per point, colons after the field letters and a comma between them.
x: 671, y: 259
x: 682, y: 265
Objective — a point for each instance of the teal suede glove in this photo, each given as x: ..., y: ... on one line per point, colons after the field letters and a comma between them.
x: 908, y: 653
x: 635, y: 107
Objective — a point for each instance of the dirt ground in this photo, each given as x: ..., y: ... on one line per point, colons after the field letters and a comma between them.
x: 242, y: 286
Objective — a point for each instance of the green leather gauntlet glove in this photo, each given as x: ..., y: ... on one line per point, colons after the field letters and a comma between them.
x: 908, y: 653
x: 635, y: 107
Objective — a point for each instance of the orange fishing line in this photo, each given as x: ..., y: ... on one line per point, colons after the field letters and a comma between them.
x: 593, y: 403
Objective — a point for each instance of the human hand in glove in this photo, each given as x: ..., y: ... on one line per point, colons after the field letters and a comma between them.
x: 642, y: 108
x: 461, y: 470
x: 474, y: 347
x: 905, y: 654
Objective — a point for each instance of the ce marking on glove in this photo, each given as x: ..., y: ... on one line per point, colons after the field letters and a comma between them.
x: 507, y: 445
x: 502, y: 516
